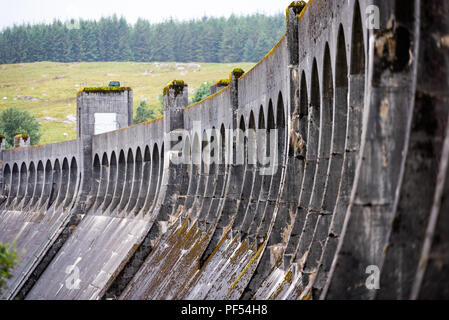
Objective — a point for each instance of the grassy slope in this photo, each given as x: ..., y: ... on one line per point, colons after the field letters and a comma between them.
x: 54, y: 86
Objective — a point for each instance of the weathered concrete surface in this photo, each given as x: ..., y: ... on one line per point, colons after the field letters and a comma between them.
x: 360, y: 177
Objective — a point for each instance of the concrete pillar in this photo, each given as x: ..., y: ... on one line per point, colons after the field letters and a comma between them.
x: 93, y: 105
x: 293, y: 11
x: 176, y: 97
x: 21, y: 140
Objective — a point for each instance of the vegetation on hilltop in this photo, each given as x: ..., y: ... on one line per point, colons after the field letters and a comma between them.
x: 233, y: 39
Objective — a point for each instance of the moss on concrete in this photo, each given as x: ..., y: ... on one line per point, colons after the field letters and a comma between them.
x: 223, y: 82
x: 103, y: 90
x: 23, y: 136
x: 177, y: 85
x: 237, y: 72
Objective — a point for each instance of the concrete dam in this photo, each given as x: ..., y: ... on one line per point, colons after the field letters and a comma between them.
x: 322, y: 173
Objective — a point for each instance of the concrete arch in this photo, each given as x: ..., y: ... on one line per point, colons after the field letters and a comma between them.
x: 129, y: 177
x: 146, y: 181
x: 333, y: 203
x: 102, y: 189
x: 220, y: 186
x: 56, y: 184
x: 39, y: 185
x: 7, y: 182
x: 266, y: 173
x: 277, y: 143
x: 119, y: 185
x: 205, y: 187
x: 31, y: 185
x: 214, y: 151
x: 15, y: 180
x: 203, y: 176
x: 96, y: 176
x: 137, y: 181
x: 23, y: 184
x: 194, y: 176
x: 250, y: 171
x: 186, y: 177
x: 65, y: 177
x: 72, y: 184
x: 113, y: 171
x: 311, y: 161
x: 155, y: 180
x: 258, y: 178
x: 48, y: 184
x: 324, y: 153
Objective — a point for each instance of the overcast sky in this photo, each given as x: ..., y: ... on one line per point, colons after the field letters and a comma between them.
x: 36, y: 11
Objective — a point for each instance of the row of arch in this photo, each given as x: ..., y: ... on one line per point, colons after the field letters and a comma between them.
x: 322, y: 173
x: 37, y: 187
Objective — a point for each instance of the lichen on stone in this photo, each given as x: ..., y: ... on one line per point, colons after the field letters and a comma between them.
x: 297, y: 7
x: 177, y: 85
x: 23, y: 136
x: 103, y: 90
x: 237, y: 72
x: 222, y: 82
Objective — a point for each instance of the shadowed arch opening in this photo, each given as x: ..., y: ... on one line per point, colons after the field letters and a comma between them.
x: 72, y: 184
x: 252, y: 140
x: 23, y: 183
x: 355, y: 105
x: 111, y: 181
x: 15, y: 178
x: 55, y: 184
x: 102, y: 189
x: 31, y: 184
x: 276, y: 143
x: 146, y: 180
x: 320, y: 180
x: 137, y: 181
x: 96, y: 176
x: 155, y: 164
x: 357, y: 45
x: 48, y: 183
x: 128, y: 181
x: 310, y: 166
x: 192, y: 152
x: 65, y: 176
x: 39, y: 184
x: 121, y: 175
x: 6, y: 180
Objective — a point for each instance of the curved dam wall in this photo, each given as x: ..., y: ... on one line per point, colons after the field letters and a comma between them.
x: 322, y: 166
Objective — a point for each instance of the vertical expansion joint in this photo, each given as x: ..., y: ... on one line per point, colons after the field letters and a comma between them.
x: 234, y: 77
x: 293, y: 11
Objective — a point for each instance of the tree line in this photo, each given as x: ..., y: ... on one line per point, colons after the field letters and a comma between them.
x: 233, y: 39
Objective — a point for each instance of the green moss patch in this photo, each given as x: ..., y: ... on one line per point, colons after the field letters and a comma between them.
x: 104, y: 90
x: 23, y: 136
x: 297, y: 7
x: 177, y: 85
x: 237, y: 72
x: 223, y: 82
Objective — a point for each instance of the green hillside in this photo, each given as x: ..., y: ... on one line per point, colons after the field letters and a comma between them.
x: 48, y: 90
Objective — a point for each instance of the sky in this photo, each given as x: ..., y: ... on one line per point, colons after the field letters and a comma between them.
x: 37, y: 11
